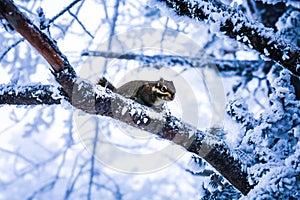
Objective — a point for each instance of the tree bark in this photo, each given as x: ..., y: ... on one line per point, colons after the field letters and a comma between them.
x: 234, y: 24
x: 97, y: 100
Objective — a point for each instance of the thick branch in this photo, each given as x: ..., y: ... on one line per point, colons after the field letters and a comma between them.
x: 29, y: 95
x: 234, y: 24
x: 234, y: 67
x: 96, y: 100
x: 204, y: 144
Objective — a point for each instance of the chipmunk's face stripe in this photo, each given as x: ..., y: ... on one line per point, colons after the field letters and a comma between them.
x: 167, y: 96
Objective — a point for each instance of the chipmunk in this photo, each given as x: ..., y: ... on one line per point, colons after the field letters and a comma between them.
x: 149, y: 93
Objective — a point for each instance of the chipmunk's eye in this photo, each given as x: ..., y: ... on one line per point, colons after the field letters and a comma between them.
x: 163, y: 88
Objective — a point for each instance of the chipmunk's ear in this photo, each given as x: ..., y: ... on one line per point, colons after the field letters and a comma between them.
x: 160, y: 82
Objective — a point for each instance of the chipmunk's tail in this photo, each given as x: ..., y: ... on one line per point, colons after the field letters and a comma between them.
x: 105, y: 83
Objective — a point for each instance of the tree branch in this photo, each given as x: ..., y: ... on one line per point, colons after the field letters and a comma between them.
x: 234, y: 24
x: 30, y: 94
x: 234, y: 67
x: 96, y: 100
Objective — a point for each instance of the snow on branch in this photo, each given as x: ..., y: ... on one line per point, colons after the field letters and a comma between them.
x: 233, y: 23
x: 234, y: 67
x: 30, y: 94
x: 98, y: 100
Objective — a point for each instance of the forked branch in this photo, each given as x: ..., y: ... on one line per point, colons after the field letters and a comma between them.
x: 97, y: 100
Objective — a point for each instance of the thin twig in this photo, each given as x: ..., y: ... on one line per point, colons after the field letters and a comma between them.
x: 81, y: 24
x: 10, y: 48
x: 63, y: 11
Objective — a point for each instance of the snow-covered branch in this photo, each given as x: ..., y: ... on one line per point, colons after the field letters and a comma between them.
x: 234, y: 67
x: 233, y: 23
x: 30, y: 95
x: 100, y: 101
x: 97, y: 100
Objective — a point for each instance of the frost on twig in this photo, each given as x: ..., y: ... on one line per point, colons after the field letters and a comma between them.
x: 233, y: 23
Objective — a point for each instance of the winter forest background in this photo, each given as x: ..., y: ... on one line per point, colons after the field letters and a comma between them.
x: 235, y: 66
